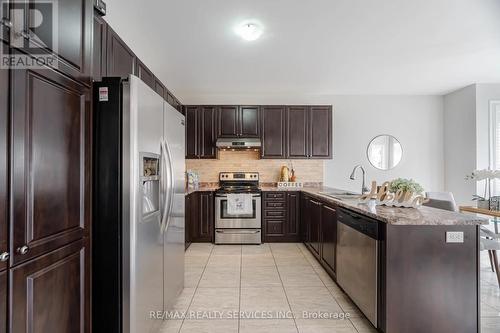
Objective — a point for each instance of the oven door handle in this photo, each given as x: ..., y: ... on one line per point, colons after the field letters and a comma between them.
x: 237, y: 233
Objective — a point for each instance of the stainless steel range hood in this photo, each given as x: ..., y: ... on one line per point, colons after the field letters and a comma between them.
x: 238, y: 143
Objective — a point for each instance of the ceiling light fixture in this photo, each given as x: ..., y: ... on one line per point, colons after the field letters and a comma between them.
x: 249, y: 31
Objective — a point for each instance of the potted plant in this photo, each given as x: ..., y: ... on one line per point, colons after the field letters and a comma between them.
x: 487, y: 175
x: 405, y: 186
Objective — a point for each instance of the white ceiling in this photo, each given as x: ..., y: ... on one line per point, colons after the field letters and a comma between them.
x: 319, y: 47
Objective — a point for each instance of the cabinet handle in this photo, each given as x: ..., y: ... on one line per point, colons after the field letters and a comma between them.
x: 23, y: 249
x: 4, y: 257
x: 6, y: 23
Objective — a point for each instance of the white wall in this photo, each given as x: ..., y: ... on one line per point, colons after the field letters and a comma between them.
x: 460, y: 142
x: 417, y: 121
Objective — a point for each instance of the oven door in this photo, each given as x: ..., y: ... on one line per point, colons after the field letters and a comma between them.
x: 224, y: 220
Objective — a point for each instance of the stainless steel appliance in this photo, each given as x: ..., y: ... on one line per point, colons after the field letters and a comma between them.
x: 138, y: 225
x: 239, y: 143
x: 357, y: 260
x: 240, y: 228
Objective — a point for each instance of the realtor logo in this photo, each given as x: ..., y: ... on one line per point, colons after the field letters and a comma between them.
x: 33, y: 34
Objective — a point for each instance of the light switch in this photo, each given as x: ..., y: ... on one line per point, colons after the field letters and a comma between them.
x: 454, y: 237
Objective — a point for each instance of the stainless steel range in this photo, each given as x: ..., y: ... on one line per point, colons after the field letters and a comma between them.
x: 238, y: 228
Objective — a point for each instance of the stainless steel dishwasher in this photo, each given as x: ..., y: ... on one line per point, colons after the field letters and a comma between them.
x: 357, y: 260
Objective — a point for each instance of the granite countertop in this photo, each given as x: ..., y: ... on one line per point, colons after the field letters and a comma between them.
x: 392, y: 215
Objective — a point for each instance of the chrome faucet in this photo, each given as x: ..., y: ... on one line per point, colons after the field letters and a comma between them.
x: 353, y: 177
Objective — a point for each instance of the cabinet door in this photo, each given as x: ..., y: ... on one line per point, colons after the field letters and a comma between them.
x: 320, y: 132
x: 273, y: 132
x: 227, y: 121
x: 121, y: 60
x: 4, y: 130
x: 188, y: 222
x: 305, y: 219
x: 328, y: 237
x: 315, y: 225
x: 145, y: 74
x: 74, y: 34
x: 99, y: 48
x: 207, y: 132
x: 51, y: 155
x: 249, y: 121
x: 3, y: 301
x: 204, y: 228
x: 159, y: 88
x: 192, y: 132
x: 51, y: 292
x: 297, y: 121
x: 293, y: 216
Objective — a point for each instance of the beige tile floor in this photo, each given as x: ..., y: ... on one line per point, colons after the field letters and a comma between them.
x: 279, y: 281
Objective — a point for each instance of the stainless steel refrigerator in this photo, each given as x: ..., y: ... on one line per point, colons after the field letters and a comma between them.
x: 138, y: 206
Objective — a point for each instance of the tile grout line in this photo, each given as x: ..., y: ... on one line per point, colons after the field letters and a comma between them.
x: 196, y: 288
x: 239, y: 296
x: 284, y: 290
x: 329, y: 291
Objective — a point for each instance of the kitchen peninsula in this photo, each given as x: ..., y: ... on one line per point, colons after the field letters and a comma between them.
x: 406, y: 269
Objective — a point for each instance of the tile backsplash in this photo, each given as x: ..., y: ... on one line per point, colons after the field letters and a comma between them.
x: 307, y: 171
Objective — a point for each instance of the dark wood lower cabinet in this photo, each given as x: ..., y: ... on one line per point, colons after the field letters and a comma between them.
x: 315, y: 226
x: 328, y: 237
x: 50, y: 293
x: 200, y: 218
x: 3, y: 301
x: 281, y: 216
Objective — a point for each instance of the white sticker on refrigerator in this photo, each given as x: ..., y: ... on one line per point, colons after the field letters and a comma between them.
x: 103, y: 94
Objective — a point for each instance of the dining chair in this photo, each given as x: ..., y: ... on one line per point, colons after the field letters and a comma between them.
x: 442, y: 200
x: 490, y: 242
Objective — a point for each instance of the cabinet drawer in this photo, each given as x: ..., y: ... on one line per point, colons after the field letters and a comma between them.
x: 274, y: 196
x: 275, y: 227
x: 274, y: 205
x: 274, y: 213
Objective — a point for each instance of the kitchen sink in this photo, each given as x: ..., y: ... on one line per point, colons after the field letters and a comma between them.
x: 341, y: 195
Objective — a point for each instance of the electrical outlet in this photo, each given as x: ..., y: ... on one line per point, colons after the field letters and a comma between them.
x: 454, y: 237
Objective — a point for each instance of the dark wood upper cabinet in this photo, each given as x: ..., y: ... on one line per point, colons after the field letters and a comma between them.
x: 297, y: 130
x: 74, y: 35
x: 4, y: 130
x: 273, y: 132
x: 159, y: 88
x: 51, y: 162
x: 50, y: 293
x: 99, y: 48
x: 3, y: 301
x: 207, y: 132
x: 192, y: 141
x: 328, y: 236
x: 249, y: 121
x: 227, y: 121
x: 145, y: 74
x: 320, y: 132
x: 121, y: 61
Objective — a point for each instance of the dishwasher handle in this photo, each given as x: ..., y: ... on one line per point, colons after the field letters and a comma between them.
x: 363, y: 224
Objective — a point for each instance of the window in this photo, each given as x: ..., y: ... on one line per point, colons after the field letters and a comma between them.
x: 495, y: 143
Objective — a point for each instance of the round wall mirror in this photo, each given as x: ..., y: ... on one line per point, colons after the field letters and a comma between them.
x: 384, y: 152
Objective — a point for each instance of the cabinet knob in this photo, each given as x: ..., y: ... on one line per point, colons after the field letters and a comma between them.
x: 23, y: 249
x: 4, y: 257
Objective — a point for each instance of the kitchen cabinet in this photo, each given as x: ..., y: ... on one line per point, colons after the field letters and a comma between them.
x: 273, y: 132
x: 74, y: 33
x: 3, y: 301
x: 51, y: 169
x: 320, y: 132
x: 238, y: 121
x: 201, y: 217
x: 4, y: 136
x: 50, y: 293
x: 188, y: 219
x: 99, y: 48
x: 201, y: 132
x: 328, y: 237
x: 145, y: 74
x: 297, y: 131
x: 227, y: 121
x: 281, y: 219
x: 315, y: 226
x: 121, y: 61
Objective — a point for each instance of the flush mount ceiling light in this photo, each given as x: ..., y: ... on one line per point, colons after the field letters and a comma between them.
x: 249, y: 31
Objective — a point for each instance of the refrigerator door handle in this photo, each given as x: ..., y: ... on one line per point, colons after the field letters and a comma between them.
x: 169, y: 175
